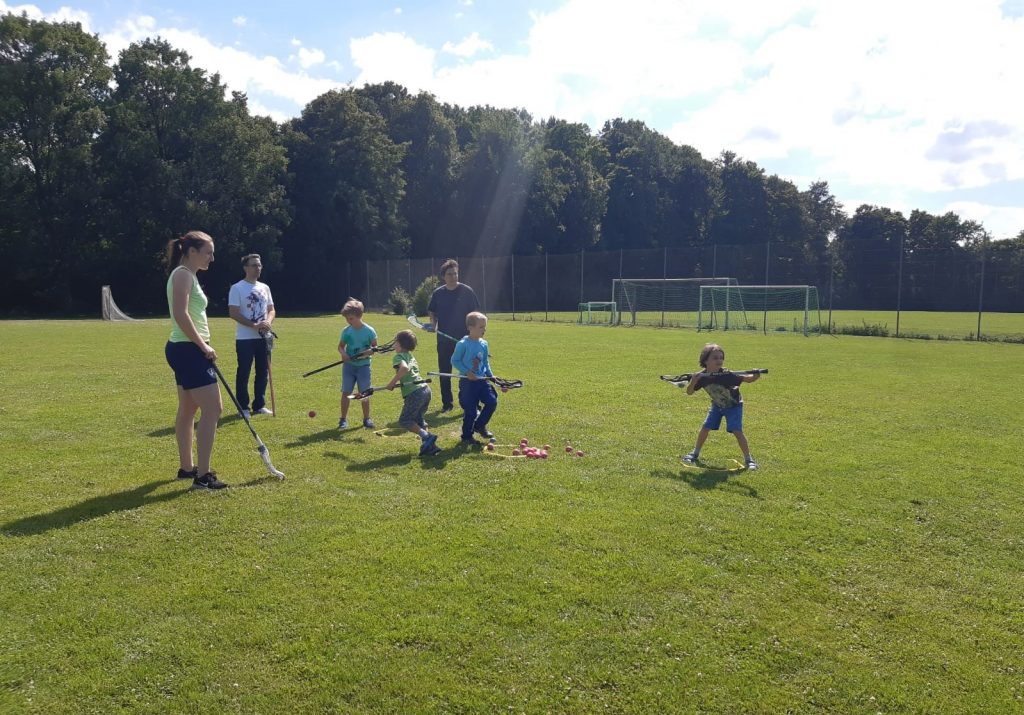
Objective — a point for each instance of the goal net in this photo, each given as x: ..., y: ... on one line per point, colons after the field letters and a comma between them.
x: 673, y: 302
x: 110, y: 309
x: 778, y: 308
x: 598, y: 313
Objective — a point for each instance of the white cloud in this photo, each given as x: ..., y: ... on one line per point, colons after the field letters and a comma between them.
x: 309, y: 58
x: 393, y: 56
x: 265, y: 79
x: 1000, y: 221
x: 398, y: 11
x: 469, y: 46
x: 63, y: 14
x: 295, y: 42
x: 239, y: 21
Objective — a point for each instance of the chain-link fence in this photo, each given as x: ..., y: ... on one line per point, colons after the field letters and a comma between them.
x: 934, y: 293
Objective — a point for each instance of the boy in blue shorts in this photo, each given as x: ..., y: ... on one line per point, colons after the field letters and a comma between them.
x: 356, y: 339
x: 476, y: 397
x: 416, y: 396
x: 722, y: 387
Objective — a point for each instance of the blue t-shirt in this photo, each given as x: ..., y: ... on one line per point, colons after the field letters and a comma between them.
x: 471, y: 355
x: 357, y: 341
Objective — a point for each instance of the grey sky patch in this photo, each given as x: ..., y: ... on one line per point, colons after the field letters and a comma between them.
x: 994, y: 171
x: 959, y: 145
x: 763, y: 134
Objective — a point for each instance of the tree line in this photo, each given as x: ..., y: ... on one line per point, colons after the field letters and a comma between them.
x: 101, y: 164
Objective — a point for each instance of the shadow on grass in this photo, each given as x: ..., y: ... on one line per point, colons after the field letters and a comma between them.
x: 709, y: 477
x: 437, y: 462
x: 332, y: 434
x: 92, y: 509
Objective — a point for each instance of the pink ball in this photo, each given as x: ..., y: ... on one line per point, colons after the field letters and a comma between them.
x: 524, y: 441
x: 544, y: 454
x: 579, y: 452
x: 568, y: 448
x: 516, y: 452
x: 312, y: 413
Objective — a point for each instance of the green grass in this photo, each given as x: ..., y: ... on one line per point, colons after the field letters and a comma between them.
x: 872, y: 565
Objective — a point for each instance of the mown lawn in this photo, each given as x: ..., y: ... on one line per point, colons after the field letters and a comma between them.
x: 872, y: 565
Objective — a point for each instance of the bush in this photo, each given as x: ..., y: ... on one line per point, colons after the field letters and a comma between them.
x: 877, y: 330
x: 421, y: 298
x: 399, y: 302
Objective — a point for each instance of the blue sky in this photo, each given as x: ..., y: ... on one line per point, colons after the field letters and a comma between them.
x: 906, y: 104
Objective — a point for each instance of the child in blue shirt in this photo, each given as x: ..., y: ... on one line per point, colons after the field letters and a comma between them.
x: 357, y: 338
x: 476, y: 397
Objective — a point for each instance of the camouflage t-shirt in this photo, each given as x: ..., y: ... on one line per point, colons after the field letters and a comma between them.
x: 723, y: 388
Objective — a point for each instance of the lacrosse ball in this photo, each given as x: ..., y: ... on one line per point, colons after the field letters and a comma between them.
x: 547, y: 447
x: 579, y: 452
x: 312, y: 413
x: 568, y: 448
x: 524, y: 441
x: 490, y: 447
x: 516, y: 452
x: 544, y: 454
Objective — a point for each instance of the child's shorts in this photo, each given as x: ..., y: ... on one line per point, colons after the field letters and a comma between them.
x: 733, y: 418
x: 191, y: 368
x: 415, y: 407
x: 354, y: 374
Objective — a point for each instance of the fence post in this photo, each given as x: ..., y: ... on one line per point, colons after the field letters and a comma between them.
x: 767, y: 261
x: 831, y: 282
x: 513, y: 287
x: 981, y: 286
x: 581, y: 276
x: 367, y: 288
x: 408, y: 271
x: 664, y: 275
x: 899, y: 287
x: 387, y: 279
x: 483, y: 281
x: 545, y: 286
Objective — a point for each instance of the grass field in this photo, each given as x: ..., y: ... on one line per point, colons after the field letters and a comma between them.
x: 872, y: 565
x: 1007, y: 327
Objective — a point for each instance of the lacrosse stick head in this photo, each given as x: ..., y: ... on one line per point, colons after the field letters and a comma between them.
x: 265, y: 456
x: 268, y: 338
x: 506, y: 384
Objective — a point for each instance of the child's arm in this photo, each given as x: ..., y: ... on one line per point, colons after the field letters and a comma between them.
x: 752, y: 378
x: 695, y: 383
x: 458, y: 359
x: 401, y: 370
x: 342, y: 351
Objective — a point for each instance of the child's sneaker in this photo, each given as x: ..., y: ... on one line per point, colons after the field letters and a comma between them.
x: 485, y: 433
x: 368, y: 423
x: 429, y: 447
x: 691, y: 458
x: 430, y: 441
x: 208, y: 481
x: 246, y: 414
x: 470, y: 441
x: 182, y: 474
x: 343, y: 423
x: 751, y: 464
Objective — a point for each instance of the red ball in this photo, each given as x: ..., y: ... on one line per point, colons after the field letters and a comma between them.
x: 524, y: 441
x: 490, y: 447
x: 568, y: 448
x: 312, y: 413
x: 579, y: 452
x: 547, y: 447
x: 544, y: 454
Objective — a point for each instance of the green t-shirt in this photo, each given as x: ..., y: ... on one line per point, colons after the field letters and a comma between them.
x: 197, y: 303
x: 408, y: 381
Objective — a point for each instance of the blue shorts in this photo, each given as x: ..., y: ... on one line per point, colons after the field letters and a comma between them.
x: 191, y: 368
x: 354, y: 374
x: 733, y: 418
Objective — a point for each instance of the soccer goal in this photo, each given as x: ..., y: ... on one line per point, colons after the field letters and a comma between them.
x: 778, y: 308
x: 673, y: 302
x: 110, y: 309
x: 598, y: 313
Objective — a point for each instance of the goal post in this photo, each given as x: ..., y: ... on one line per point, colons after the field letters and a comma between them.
x: 664, y: 302
x: 779, y: 308
x: 109, y: 307
x: 599, y: 312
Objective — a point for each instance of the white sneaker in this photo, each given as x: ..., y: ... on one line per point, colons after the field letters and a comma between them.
x: 263, y: 411
x: 246, y: 414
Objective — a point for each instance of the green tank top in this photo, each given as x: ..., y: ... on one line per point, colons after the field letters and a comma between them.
x: 197, y: 303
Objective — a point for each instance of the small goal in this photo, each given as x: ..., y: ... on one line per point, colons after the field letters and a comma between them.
x: 598, y: 313
x: 777, y: 308
x: 110, y: 309
x: 666, y: 302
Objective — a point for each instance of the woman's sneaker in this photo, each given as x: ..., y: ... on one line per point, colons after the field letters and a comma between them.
x: 751, y: 464
x: 208, y: 481
x: 192, y: 474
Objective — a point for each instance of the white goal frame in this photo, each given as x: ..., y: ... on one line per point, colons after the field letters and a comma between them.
x: 721, y: 307
x: 600, y: 308
x: 666, y: 301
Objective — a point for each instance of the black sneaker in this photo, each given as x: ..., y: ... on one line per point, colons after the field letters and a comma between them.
x: 447, y: 408
x: 485, y: 433
x: 470, y: 441
x: 208, y: 481
x: 192, y: 474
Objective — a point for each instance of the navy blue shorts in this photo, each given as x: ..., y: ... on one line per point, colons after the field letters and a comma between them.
x: 191, y: 368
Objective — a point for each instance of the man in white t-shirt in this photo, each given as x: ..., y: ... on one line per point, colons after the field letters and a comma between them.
x: 251, y: 305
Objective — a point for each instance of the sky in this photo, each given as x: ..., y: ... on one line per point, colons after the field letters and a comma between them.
x: 908, y: 104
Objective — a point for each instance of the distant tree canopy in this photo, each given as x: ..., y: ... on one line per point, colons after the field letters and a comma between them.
x: 100, y: 165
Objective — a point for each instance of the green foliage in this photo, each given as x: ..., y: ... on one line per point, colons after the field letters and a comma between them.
x: 877, y: 330
x: 566, y: 585
x: 421, y: 297
x: 399, y: 301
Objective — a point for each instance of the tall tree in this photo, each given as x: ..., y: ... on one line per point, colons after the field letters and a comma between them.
x: 868, y: 246
x: 53, y: 80
x: 825, y: 217
x: 176, y: 155
x: 347, y: 190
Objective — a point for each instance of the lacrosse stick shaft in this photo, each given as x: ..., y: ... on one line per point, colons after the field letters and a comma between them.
x: 321, y: 369
x: 262, y: 448
x: 270, y: 381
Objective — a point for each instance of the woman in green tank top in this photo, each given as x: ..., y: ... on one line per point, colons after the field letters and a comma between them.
x: 190, y: 355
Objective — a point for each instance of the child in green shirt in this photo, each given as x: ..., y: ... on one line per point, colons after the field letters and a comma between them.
x: 416, y: 395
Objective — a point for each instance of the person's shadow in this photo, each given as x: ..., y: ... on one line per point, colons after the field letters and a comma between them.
x: 709, y: 478
x: 92, y: 509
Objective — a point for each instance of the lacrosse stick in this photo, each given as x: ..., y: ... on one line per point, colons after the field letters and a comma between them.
x: 269, y: 337
x: 429, y: 327
x: 370, y: 390
x: 264, y: 452
x: 385, y: 348
x: 681, y: 380
x: 499, y: 381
